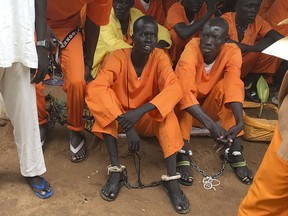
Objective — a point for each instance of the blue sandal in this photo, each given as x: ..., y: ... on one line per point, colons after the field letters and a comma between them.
x: 38, y: 188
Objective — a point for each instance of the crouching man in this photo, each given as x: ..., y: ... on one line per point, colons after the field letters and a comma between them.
x: 137, y: 90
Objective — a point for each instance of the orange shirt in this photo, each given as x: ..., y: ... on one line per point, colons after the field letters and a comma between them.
x: 255, y: 30
x: 197, y: 84
x: 157, y: 85
x: 167, y: 4
x: 265, y: 5
x: 176, y: 14
x: 275, y: 13
x: 155, y: 10
x: 66, y: 13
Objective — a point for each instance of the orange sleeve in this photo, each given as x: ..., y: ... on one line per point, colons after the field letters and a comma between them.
x: 174, y: 16
x: 99, y: 11
x: 170, y: 91
x: 262, y: 26
x: 159, y: 12
x: 233, y: 85
x: 233, y: 35
x: 186, y: 73
x: 100, y: 98
x: 265, y: 5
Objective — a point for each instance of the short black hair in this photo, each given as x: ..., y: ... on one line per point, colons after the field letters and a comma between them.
x: 220, y: 22
x: 142, y: 20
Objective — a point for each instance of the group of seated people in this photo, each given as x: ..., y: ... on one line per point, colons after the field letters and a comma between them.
x: 179, y: 66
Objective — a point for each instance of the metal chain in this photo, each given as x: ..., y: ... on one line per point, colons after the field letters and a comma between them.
x: 202, y: 172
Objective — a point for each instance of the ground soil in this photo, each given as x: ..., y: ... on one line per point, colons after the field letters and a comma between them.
x: 76, y: 186
x: 267, y: 113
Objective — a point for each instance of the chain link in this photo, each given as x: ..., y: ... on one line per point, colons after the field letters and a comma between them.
x: 202, y: 172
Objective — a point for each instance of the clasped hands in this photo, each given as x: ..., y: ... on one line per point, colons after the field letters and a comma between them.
x: 225, y: 138
x: 127, y: 121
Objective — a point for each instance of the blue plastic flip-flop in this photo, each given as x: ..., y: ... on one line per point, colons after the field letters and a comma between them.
x: 38, y: 188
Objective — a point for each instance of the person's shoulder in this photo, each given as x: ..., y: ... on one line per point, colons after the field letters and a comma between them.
x: 228, y: 16
x: 136, y: 12
x: 158, y: 53
x: 231, y: 50
x: 121, y: 53
x: 194, y: 43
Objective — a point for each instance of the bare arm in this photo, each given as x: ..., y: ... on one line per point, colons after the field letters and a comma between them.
x: 91, y: 39
x: 186, y: 31
x: 41, y: 31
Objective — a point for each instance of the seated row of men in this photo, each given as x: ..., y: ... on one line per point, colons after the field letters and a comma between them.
x: 136, y: 90
x: 184, y: 21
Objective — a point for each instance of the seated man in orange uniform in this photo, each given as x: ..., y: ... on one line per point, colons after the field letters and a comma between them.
x: 252, y: 34
x: 268, y: 194
x: 274, y: 12
x: 152, y: 8
x: 136, y: 89
x: 184, y: 20
x: 118, y: 33
x: 63, y: 18
x: 209, y: 72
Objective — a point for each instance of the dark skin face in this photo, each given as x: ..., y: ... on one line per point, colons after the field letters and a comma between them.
x: 246, y: 10
x: 122, y: 8
x: 145, y: 39
x: 192, y: 5
x: 211, y: 40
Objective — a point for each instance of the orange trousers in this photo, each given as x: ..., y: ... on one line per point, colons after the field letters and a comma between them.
x: 72, y: 64
x: 268, y: 194
x: 214, y: 107
x: 167, y: 131
x: 259, y: 63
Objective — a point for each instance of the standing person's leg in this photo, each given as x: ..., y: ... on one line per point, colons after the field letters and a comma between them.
x: 72, y: 64
x: 20, y: 100
x: 42, y: 112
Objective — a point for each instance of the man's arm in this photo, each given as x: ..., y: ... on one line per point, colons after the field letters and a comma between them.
x: 41, y: 32
x: 217, y: 132
x: 91, y: 38
x: 237, y: 110
x: 186, y: 31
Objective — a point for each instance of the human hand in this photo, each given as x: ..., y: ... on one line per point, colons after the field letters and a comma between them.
x: 133, y: 140
x: 87, y: 74
x: 217, y: 133
x: 232, y: 133
x: 128, y: 119
x: 53, y: 40
x: 43, y: 63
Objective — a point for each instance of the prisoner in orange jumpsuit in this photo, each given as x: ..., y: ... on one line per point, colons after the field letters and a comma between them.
x: 209, y: 72
x: 137, y: 90
x: 155, y: 9
x: 64, y: 17
x: 268, y: 194
x: 184, y: 20
x: 252, y: 34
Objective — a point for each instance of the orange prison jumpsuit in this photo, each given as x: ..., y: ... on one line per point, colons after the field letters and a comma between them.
x: 265, y: 5
x: 176, y: 14
x: 275, y: 13
x: 212, y: 91
x: 253, y: 61
x: 167, y: 4
x: 155, y: 10
x: 109, y: 96
x: 268, y: 194
x: 63, y: 17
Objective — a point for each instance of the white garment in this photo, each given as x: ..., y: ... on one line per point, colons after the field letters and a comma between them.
x: 146, y: 6
x: 208, y: 67
x: 17, y: 24
x: 20, y: 100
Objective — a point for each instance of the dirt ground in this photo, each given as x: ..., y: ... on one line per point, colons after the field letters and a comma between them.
x: 76, y: 186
